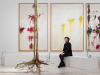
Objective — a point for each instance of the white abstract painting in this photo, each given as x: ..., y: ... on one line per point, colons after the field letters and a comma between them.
x: 67, y: 20
x: 93, y: 27
x: 26, y: 26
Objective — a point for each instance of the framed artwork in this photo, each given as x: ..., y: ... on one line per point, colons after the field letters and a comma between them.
x: 67, y: 19
x: 26, y: 27
x: 92, y: 27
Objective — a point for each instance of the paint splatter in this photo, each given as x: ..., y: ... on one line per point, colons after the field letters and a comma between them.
x: 94, y: 17
x: 71, y: 21
x: 80, y: 21
x: 21, y: 29
x: 89, y: 31
x: 93, y: 31
x: 94, y: 37
x: 33, y: 6
x: 80, y: 24
x: 30, y: 38
x: 31, y: 29
x: 31, y: 19
x: 99, y: 30
x: 88, y: 8
x: 40, y: 14
x: 63, y: 30
x: 95, y: 23
x: 71, y: 24
x: 88, y: 13
x: 99, y: 18
x: 97, y: 46
x: 92, y: 42
x: 30, y: 46
x: 88, y: 19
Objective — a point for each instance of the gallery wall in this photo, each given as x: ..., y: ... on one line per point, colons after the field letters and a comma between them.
x: 9, y: 26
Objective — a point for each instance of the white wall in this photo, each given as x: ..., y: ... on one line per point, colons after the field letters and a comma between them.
x: 9, y: 25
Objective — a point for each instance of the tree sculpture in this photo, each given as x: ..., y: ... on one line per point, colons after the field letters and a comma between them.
x: 35, y: 60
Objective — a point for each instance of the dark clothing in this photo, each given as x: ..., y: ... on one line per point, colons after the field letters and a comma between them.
x: 67, y: 52
x: 67, y: 49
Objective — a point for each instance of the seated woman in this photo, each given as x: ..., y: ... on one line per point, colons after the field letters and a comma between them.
x: 66, y: 52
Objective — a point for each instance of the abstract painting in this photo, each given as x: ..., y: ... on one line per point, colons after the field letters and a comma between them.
x: 26, y: 26
x: 67, y: 20
x: 93, y: 26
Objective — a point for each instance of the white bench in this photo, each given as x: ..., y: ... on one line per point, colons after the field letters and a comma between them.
x: 76, y: 61
x: 12, y: 60
x: 56, y: 60
x: 98, y: 62
x: 84, y: 62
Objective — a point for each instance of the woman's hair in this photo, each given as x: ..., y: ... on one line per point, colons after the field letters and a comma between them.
x: 67, y: 38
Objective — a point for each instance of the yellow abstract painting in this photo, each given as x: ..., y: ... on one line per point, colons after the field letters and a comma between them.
x: 67, y: 20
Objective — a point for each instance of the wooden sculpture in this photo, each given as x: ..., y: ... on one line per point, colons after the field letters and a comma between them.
x: 35, y: 60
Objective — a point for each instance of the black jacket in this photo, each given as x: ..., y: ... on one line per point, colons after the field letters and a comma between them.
x: 67, y: 48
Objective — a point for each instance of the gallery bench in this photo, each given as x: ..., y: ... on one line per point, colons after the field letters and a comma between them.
x: 76, y: 61
x: 54, y: 58
x: 12, y: 60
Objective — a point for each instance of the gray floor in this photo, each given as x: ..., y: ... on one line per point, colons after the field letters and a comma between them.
x: 48, y: 70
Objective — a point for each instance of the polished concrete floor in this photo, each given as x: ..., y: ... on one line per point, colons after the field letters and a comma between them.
x: 48, y: 70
